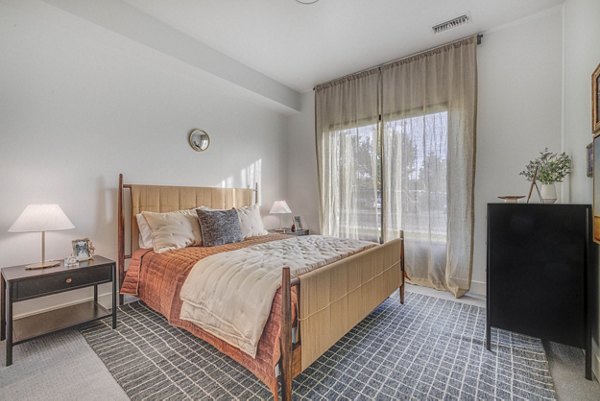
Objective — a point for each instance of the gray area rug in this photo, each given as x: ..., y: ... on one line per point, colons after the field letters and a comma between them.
x: 56, y: 367
x: 427, y: 349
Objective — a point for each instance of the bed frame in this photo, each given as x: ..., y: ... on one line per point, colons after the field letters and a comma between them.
x: 341, y: 294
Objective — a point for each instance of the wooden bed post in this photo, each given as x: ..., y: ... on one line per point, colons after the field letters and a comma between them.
x: 121, y: 237
x: 285, y: 338
x: 402, y: 266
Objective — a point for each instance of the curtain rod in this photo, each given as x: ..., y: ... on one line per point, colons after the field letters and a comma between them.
x: 479, y: 39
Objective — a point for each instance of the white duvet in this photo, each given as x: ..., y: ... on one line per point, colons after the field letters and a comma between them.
x: 230, y: 294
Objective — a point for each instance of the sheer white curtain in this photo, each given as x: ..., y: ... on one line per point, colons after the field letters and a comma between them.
x: 429, y: 111
x: 415, y: 190
x: 347, y: 113
x: 396, y: 150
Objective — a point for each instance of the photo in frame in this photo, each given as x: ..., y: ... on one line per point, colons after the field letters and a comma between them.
x: 82, y: 249
x: 596, y: 101
x: 596, y: 190
x: 298, y: 223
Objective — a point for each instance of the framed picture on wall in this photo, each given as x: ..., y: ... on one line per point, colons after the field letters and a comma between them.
x: 596, y: 190
x: 596, y: 101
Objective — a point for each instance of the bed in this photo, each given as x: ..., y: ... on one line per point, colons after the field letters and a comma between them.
x: 309, y: 313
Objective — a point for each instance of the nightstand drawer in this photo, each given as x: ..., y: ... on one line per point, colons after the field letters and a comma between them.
x: 64, y: 281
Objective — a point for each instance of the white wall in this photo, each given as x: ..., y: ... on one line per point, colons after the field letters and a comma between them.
x: 519, y: 113
x: 123, y: 18
x: 303, y: 188
x: 79, y: 104
x: 581, y: 56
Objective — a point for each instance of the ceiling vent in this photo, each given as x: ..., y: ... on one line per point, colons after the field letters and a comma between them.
x: 451, y: 24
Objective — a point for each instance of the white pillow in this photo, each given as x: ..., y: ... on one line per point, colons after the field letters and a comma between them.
x: 250, y: 221
x: 145, y: 240
x: 174, y: 230
x: 210, y: 208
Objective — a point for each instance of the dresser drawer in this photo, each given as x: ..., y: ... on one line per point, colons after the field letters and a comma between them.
x: 64, y: 281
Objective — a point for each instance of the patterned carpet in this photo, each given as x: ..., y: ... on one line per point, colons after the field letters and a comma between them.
x: 427, y: 349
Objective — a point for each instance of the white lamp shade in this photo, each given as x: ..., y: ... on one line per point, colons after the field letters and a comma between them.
x: 41, y: 217
x: 280, y: 207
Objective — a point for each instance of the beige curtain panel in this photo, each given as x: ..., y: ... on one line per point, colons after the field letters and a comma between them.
x: 396, y: 150
x: 347, y: 135
x: 429, y: 112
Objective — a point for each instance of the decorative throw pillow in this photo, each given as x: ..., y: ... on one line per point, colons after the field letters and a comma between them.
x: 145, y: 237
x: 250, y: 221
x: 173, y: 230
x: 219, y: 227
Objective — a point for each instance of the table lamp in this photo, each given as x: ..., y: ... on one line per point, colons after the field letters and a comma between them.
x: 42, y: 218
x: 280, y: 207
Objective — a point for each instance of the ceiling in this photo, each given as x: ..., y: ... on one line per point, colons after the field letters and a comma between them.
x: 303, y: 45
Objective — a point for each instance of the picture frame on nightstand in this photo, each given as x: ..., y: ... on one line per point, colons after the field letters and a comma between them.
x: 82, y: 249
x: 298, y: 223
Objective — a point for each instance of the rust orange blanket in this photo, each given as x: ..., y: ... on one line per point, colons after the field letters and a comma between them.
x: 157, y: 279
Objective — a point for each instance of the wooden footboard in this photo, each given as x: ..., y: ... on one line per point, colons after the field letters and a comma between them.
x: 334, y: 299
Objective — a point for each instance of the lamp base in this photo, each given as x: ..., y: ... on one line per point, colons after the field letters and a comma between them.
x: 42, y: 265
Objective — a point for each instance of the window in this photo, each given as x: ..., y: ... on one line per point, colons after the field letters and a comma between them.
x: 415, y: 177
x: 354, y: 174
x: 416, y: 170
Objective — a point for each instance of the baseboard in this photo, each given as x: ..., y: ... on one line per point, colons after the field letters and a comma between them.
x: 104, y: 299
x: 478, y: 288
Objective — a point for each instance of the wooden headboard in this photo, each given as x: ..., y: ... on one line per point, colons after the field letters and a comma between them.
x: 163, y: 198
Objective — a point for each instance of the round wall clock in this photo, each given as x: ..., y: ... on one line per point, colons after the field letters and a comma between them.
x: 199, y: 140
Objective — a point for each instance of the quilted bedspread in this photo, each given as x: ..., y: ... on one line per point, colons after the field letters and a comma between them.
x: 230, y: 294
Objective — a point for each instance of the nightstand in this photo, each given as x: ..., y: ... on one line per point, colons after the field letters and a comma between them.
x: 19, y: 284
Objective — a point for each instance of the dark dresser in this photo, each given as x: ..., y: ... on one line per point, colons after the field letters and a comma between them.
x: 540, y: 265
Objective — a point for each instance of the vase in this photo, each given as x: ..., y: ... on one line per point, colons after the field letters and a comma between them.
x: 548, y: 193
